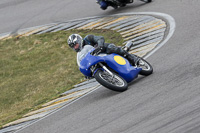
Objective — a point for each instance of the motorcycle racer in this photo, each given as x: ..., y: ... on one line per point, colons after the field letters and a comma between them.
x: 116, y: 3
x: 77, y: 43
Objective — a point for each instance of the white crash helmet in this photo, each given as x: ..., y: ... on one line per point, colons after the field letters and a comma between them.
x: 75, y: 42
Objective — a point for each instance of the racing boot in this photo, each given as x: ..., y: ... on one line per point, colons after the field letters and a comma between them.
x: 133, y: 59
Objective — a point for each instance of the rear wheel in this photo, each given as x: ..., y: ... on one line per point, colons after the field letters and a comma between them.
x: 147, y: 1
x: 113, y: 82
x: 147, y: 69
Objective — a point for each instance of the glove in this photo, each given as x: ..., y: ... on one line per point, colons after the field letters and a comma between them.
x: 98, y: 50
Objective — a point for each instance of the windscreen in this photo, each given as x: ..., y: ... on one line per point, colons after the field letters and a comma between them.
x: 83, y: 53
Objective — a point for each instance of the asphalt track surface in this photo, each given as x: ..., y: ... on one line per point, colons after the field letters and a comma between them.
x: 165, y: 102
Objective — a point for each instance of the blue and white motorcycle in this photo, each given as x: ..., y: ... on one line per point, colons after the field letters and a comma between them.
x: 111, y: 70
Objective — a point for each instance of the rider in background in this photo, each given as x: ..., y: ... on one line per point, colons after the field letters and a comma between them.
x: 115, y: 3
x: 76, y: 42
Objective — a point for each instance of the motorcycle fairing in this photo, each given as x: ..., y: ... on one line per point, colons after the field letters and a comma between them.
x: 88, y: 61
x: 125, y: 70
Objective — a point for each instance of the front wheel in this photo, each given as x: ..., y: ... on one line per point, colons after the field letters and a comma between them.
x: 147, y: 69
x: 113, y: 82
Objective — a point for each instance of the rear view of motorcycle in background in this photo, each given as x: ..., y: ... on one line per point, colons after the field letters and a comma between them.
x: 116, y: 3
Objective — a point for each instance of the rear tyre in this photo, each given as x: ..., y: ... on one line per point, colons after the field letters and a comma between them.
x: 115, y: 83
x: 147, y: 69
x: 147, y: 1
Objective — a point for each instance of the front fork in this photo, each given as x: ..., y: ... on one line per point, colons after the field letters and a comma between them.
x: 105, y: 68
x: 95, y: 68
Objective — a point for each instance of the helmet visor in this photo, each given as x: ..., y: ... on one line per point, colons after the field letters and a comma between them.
x: 75, y: 46
x: 72, y: 45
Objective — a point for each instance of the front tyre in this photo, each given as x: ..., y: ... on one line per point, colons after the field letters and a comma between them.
x: 147, y: 69
x: 115, y: 82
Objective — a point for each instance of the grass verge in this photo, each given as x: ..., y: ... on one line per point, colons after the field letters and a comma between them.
x: 36, y: 69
